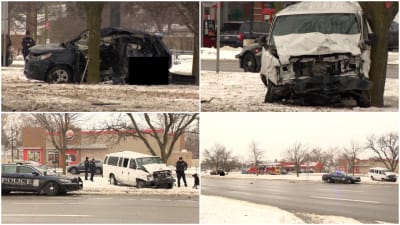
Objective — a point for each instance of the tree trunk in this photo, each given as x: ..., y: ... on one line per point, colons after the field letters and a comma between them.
x: 380, y: 17
x: 93, y: 13
x: 195, y: 68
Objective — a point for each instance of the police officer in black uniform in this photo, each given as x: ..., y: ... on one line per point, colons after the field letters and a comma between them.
x: 27, y: 42
x: 92, y: 167
x: 181, y: 166
x: 86, y: 167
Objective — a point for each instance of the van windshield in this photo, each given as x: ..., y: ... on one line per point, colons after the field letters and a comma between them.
x: 322, y: 23
x: 149, y: 160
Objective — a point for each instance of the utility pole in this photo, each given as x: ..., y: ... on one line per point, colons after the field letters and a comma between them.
x: 12, y: 144
x: 218, y: 26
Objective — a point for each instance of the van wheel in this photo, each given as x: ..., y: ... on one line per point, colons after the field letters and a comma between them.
x: 364, y: 99
x: 372, y: 178
x: 140, y: 184
x: 113, y: 181
x: 270, y: 96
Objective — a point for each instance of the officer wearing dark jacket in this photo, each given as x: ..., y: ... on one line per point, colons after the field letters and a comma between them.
x: 92, y: 167
x: 87, y: 165
x: 181, y: 166
x: 27, y: 42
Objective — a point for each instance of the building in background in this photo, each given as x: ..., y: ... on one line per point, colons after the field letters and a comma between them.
x: 37, y: 146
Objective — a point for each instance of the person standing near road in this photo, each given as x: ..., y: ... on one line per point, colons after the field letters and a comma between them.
x: 181, y: 166
x: 27, y: 42
x: 92, y: 167
x: 87, y: 165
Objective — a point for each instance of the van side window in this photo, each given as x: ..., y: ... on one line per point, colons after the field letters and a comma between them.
x: 112, y: 161
x: 126, y: 162
x: 120, y: 162
x: 132, y: 164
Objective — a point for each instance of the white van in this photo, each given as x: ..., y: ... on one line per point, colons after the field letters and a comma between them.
x: 318, y: 53
x: 137, y: 169
x: 383, y: 174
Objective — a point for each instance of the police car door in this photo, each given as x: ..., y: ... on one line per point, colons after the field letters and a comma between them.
x: 8, y: 174
x: 29, y: 177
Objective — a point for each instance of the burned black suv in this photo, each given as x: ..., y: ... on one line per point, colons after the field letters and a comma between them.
x: 67, y: 62
x: 29, y: 178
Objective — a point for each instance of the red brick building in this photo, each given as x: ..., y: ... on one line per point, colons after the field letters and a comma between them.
x: 38, y: 147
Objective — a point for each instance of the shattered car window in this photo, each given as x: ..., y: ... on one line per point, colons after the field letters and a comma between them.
x: 322, y: 23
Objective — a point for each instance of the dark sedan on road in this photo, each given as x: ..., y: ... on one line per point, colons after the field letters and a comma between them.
x: 67, y: 62
x: 340, y: 177
x: 29, y: 178
x: 80, y: 168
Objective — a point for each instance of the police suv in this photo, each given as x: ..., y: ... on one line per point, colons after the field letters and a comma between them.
x: 30, y: 178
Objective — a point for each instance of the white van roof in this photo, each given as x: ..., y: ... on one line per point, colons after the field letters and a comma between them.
x: 321, y: 7
x: 130, y: 154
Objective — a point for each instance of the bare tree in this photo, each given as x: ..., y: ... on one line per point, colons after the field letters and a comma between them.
x: 327, y: 158
x: 352, y: 153
x: 256, y: 154
x: 217, y: 157
x: 386, y: 147
x: 297, y: 154
x: 57, y: 125
x: 189, y: 13
x: 380, y: 16
x: 165, y: 129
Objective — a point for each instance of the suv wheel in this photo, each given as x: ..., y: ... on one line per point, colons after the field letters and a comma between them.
x: 98, y: 171
x: 249, y: 62
x: 74, y: 170
x: 329, y: 180
x: 59, y: 74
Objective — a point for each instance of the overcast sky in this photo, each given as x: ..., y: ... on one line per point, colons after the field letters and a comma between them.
x: 276, y: 132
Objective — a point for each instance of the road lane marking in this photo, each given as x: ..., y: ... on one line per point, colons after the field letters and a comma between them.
x: 47, y: 203
x: 348, y: 200
x: 334, y: 190
x: 43, y: 215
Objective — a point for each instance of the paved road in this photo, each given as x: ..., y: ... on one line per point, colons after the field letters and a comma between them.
x: 367, y: 203
x: 233, y: 66
x: 99, y: 209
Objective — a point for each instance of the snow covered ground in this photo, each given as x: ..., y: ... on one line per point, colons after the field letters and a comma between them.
x: 182, y: 64
x: 244, y: 92
x: 218, y: 210
x: 21, y: 94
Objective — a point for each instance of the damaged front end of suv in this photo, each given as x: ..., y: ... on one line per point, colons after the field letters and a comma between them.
x: 318, y: 53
